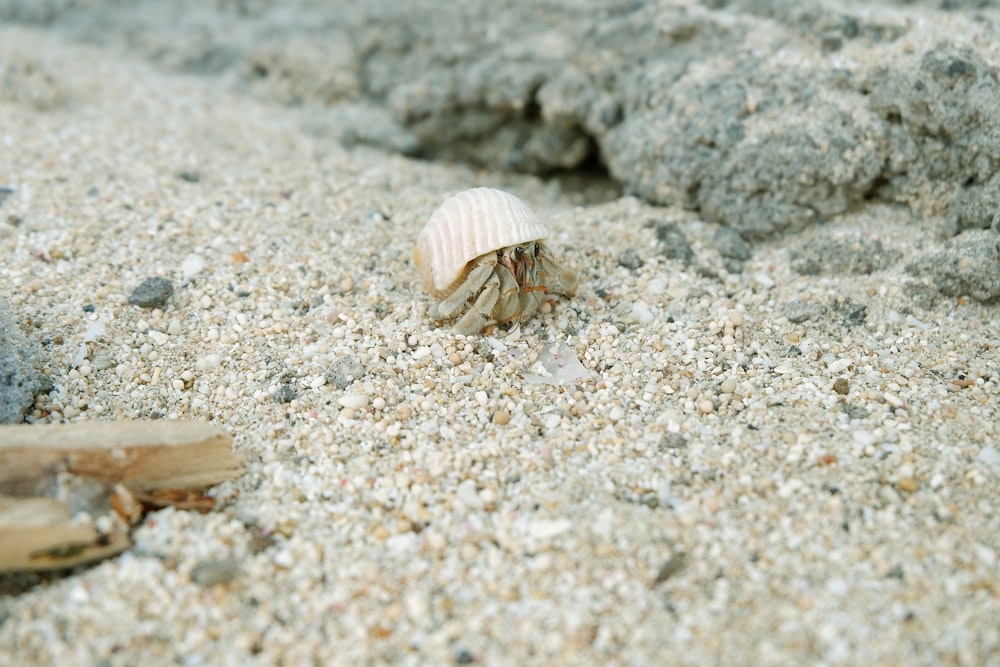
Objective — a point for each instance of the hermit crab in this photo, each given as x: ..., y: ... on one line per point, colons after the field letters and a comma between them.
x: 481, y: 254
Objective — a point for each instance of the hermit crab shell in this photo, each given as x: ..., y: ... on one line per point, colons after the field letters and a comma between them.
x: 467, y: 225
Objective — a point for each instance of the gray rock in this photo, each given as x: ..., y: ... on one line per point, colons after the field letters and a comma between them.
x: 152, y: 293
x: 850, y: 313
x: 969, y: 266
x: 285, y: 394
x: 344, y: 371
x: 799, y: 311
x: 673, y: 243
x: 731, y: 245
x: 630, y: 259
x: 19, y: 379
x: 826, y: 255
x: 935, y: 105
x: 763, y: 115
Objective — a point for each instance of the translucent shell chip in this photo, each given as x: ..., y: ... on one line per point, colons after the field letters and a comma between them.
x: 467, y: 225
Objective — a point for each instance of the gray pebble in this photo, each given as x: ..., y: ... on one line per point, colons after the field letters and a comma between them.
x: 103, y: 362
x: 853, y: 411
x: 799, y: 311
x: 45, y: 384
x: 344, y: 371
x: 673, y: 441
x: 630, y: 259
x: 285, y: 394
x: 731, y: 245
x: 152, y: 293
x: 850, y: 312
x: 673, y: 242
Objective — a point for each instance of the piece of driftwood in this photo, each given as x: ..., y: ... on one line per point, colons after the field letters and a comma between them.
x: 142, y: 455
x: 56, y: 480
x: 40, y: 534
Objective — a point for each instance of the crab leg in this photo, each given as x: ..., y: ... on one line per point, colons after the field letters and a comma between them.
x: 508, y: 305
x: 481, y: 310
x: 469, y: 287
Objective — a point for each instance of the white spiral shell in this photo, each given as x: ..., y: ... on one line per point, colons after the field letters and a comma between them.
x: 467, y: 225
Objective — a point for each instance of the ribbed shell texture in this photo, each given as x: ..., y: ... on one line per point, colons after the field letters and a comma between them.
x: 472, y: 223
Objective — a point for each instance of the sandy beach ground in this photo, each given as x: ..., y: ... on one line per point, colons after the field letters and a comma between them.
x: 759, y: 461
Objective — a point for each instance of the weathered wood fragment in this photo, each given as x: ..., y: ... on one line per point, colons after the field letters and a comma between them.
x: 137, y: 465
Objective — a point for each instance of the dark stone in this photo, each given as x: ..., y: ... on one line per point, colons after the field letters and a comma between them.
x: 851, y: 313
x: 630, y: 259
x: 853, y: 411
x: 674, y: 245
x: 152, y: 293
x: 673, y: 441
x: 285, y: 394
x: 731, y: 245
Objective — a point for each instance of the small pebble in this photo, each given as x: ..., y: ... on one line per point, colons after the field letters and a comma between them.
x: 152, y: 293
x: 850, y: 313
x: 158, y: 337
x: 673, y: 441
x: 344, y: 371
x: 841, y: 386
x: 641, y: 312
x: 212, y: 572
x: 731, y: 245
x: 799, y: 311
x: 192, y: 265
x: 468, y: 495
x: 630, y: 259
x: 990, y: 456
x: 893, y: 400
x: 354, y: 401
x: 674, y: 245
x: 103, y: 362
x: 285, y: 394
x: 671, y: 567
